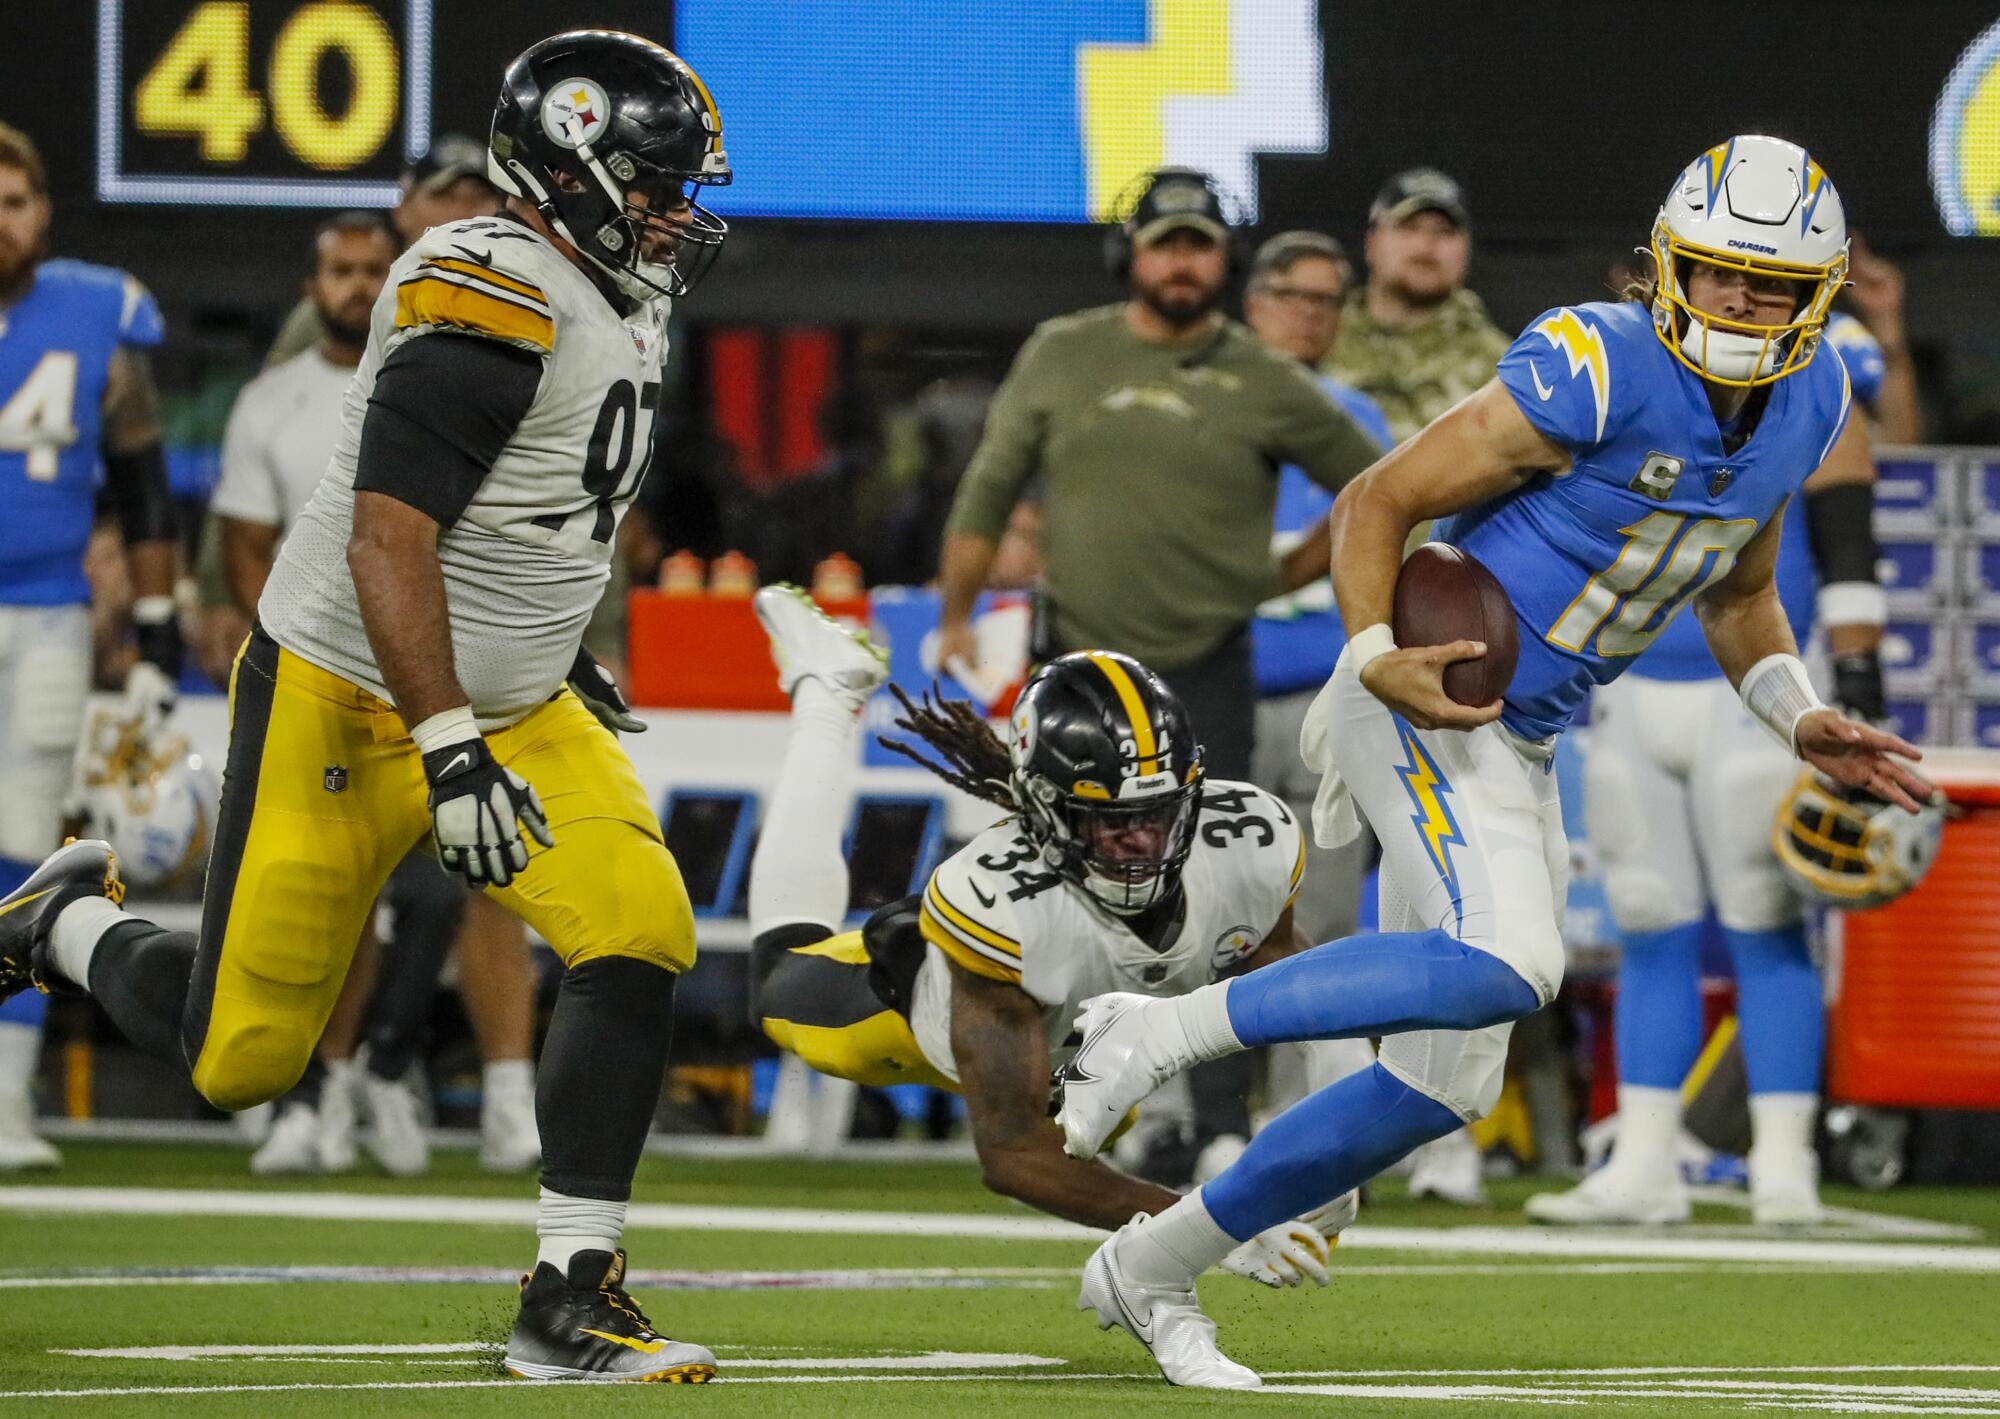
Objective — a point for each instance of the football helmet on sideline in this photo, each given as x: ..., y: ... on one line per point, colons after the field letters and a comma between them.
x: 1107, y: 775
x: 588, y: 116
x: 1846, y: 848
x: 1761, y: 206
x: 149, y: 796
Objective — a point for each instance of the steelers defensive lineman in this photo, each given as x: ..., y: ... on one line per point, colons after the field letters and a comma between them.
x: 407, y: 676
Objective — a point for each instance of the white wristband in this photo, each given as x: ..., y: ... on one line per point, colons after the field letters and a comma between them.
x: 154, y: 610
x: 1778, y: 694
x: 445, y: 728
x: 1364, y: 645
x: 1852, y: 603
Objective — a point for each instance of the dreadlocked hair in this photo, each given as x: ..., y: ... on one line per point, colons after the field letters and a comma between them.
x: 975, y: 760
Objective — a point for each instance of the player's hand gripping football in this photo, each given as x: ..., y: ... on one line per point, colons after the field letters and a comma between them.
x: 1864, y: 757
x: 477, y: 811
x: 1410, y: 682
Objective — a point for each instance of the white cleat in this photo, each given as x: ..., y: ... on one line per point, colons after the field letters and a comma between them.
x: 339, y: 1118
x: 395, y: 1136
x: 1785, y: 1193
x: 509, y: 1140
x: 1450, y: 1169
x: 293, y: 1144
x: 21, y: 1148
x: 1167, y: 1320
x: 808, y: 644
x: 1120, y: 1059
x: 1605, y: 1199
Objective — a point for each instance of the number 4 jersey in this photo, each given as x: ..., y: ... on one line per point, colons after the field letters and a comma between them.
x: 1652, y: 511
x: 996, y: 910
x: 527, y: 560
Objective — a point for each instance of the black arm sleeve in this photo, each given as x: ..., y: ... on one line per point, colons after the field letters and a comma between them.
x: 137, y: 482
x: 442, y: 408
x: 1840, y: 522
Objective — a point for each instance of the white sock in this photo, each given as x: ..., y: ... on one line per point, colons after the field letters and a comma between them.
x: 508, y: 1079
x: 1175, y: 1246
x: 1204, y: 1015
x: 567, y: 1225
x: 1781, y: 1125
x: 1649, y: 1125
x: 74, y: 936
x: 797, y: 873
x: 20, y: 1056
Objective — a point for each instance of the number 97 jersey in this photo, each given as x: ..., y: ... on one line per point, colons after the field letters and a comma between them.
x: 1652, y: 510
x: 997, y: 911
x: 528, y: 558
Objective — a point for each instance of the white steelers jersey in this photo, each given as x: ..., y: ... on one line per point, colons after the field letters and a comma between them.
x: 526, y: 563
x: 993, y: 908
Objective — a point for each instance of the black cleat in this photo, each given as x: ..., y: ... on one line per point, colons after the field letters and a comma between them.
x: 78, y: 869
x: 584, y: 1327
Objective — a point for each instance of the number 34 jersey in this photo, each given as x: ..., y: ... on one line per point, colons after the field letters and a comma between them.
x: 526, y: 562
x: 996, y: 910
x: 1652, y: 511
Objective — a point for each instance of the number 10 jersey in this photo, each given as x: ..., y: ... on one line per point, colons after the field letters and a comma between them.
x: 1652, y: 510
x: 526, y: 562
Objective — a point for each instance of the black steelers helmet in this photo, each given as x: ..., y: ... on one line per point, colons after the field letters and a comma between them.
x: 588, y: 116
x: 1107, y: 775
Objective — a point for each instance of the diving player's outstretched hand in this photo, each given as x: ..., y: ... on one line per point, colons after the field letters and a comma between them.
x: 1411, y: 682
x: 1861, y: 756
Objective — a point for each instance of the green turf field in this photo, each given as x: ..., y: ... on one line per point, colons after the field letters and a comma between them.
x: 127, y: 1287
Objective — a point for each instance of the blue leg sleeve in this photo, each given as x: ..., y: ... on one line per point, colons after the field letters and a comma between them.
x: 30, y: 1006
x: 1658, y: 1018
x: 1783, y: 1021
x: 1380, y: 983
x: 1320, y: 1147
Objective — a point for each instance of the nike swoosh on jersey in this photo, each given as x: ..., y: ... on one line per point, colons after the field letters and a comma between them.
x: 644, y: 1347
x: 483, y: 258
x: 984, y: 900
x: 1540, y: 388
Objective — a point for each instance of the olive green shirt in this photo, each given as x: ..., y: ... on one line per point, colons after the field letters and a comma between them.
x: 1416, y: 372
x: 1158, y: 466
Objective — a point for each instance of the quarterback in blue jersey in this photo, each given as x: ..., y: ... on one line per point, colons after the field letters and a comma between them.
x: 1681, y: 789
x: 77, y: 410
x: 1626, y: 460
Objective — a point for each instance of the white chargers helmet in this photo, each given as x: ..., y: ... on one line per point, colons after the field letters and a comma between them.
x: 149, y: 796
x: 1759, y: 205
x: 1846, y: 848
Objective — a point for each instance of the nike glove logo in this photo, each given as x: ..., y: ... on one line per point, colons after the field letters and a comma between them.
x: 461, y: 760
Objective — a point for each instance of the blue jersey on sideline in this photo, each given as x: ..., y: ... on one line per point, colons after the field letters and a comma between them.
x: 1681, y: 652
x: 1599, y: 559
x: 1297, y: 650
x: 56, y: 344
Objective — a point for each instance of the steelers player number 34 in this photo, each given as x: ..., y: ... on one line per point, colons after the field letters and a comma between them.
x: 271, y: 103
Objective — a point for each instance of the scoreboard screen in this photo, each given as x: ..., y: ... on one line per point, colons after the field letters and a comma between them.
x: 285, y: 103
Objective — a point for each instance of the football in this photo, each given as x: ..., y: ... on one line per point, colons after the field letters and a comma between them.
x: 1443, y: 595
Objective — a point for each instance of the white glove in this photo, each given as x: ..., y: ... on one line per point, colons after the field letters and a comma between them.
x: 1330, y: 1219
x: 149, y: 694
x: 1284, y: 1255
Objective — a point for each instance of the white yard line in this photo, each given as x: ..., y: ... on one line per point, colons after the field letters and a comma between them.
x: 1852, y: 1218
x: 1460, y: 1241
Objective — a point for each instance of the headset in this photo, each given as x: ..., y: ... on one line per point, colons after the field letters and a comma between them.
x: 1125, y: 207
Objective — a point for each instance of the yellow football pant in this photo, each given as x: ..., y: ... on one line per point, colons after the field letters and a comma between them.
x: 818, y: 1004
x: 324, y: 794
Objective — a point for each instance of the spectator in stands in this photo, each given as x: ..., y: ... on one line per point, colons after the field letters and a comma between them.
x: 447, y: 184
x: 1871, y: 339
x: 280, y: 436
x: 1414, y: 339
x: 1298, y: 281
x: 1154, y: 426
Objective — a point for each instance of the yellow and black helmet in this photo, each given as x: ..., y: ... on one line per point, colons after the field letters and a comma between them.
x: 1107, y: 775
x: 1846, y: 848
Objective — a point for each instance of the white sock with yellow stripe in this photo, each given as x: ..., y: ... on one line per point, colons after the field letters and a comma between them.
x: 797, y: 873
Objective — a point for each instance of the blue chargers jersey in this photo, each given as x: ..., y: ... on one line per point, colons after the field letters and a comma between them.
x: 56, y: 344
x: 1681, y: 652
x: 1295, y: 649
x: 1597, y: 560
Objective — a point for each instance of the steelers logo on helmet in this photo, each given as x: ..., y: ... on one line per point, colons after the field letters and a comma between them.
x: 1763, y: 207
x: 574, y: 112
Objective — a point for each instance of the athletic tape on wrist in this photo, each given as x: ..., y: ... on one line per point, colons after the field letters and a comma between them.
x: 1364, y: 645
x: 154, y: 610
x: 1852, y: 603
x: 445, y: 728
x: 1778, y: 694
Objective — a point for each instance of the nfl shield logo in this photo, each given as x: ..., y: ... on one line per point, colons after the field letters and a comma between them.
x: 1719, y: 482
x: 336, y: 778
